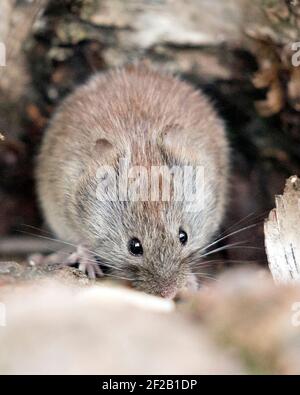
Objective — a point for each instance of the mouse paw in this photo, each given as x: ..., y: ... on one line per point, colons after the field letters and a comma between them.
x: 86, y: 262
x: 82, y: 257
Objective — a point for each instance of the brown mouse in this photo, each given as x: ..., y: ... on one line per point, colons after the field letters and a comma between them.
x: 147, y: 118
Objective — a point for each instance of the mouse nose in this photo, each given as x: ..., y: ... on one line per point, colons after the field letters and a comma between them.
x: 168, y: 293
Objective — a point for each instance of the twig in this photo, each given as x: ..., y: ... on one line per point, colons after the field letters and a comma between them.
x: 22, y: 246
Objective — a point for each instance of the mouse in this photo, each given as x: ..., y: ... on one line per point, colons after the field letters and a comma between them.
x: 139, y: 118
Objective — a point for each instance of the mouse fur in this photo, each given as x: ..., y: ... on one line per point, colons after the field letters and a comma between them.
x: 150, y: 118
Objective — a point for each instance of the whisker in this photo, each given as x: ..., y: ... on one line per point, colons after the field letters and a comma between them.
x: 215, y: 261
x: 245, y: 219
x: 207, y: 277
x: 36, y: 228
x: 230, y: 246
x: 118, y: 277
x: 205, y: 263
x: 48, y: 238
x: 235, y: 224
x: 69, y: 244
x: 97, y: 262
x: 230, y: 234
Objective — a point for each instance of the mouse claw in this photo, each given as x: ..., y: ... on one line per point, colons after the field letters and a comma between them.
x: 82, y: 257
x: 86, y: 262
x: 91, y: 269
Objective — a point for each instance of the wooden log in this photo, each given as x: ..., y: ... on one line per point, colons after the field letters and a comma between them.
x: 282, y: 236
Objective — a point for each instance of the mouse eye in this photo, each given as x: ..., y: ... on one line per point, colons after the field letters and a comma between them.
x: 183, y: 237
x: 135, y: 246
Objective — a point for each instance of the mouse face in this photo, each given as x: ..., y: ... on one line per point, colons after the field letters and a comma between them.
x: 153, y: 247
x: 146, y: 246
x: 152, y: 244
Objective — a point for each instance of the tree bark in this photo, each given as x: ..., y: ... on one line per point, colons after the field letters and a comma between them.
x: 282, y: 237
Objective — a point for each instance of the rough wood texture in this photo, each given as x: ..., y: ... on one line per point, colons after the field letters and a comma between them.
x: 16, y: 21
x: 282, y: 237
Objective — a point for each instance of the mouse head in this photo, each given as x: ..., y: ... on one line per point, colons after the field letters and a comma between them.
x: 153, y: 242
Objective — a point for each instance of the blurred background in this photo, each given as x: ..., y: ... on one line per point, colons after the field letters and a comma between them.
x: 245, y: 54
x: 238, y: 51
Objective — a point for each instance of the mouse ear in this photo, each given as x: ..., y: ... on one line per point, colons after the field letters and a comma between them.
x: 104, y: 151
x: 174, y: 142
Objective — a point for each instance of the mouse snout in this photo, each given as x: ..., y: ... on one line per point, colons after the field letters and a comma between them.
x: 160, y: 281
x: 164, y: 290
x: 168, y: 293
